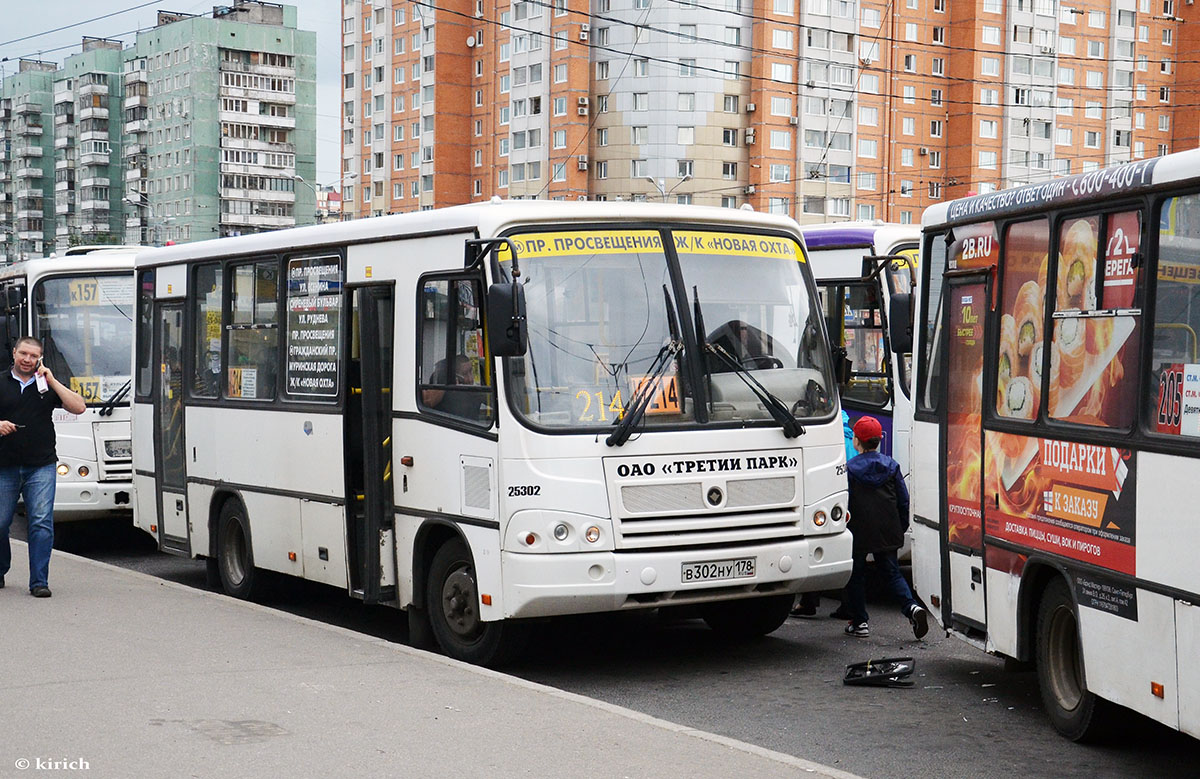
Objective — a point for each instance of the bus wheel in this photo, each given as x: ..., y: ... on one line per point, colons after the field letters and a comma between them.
x: 747, y: 618
x: 1074, y: 711
x: 235, y: 559
x: 452, y: 595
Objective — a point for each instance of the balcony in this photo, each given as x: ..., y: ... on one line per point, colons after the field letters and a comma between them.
x: 133, y: 150
x: 257, y: 220
x: 63, y: 164
x: 94, y: 205
x: 26, y: 109
x: 93, y: 112
x: 29, y: 235
x: 93, y: 135
x: 28, y: 173
x: 266, y: 95
x: 133, y: 221
x: 63, y: 119
x: 288, y: 122
x: 94, y: 181
x: 29, y: 213
x: 63, y: 207
x: 252, y: 145
x: 64, y: 141
x: 27, y: 192
x: 30, y: 130
x: 135, y: 174
x: 29, y: 151
x: 143, y: 125
x: 133, y: 101
x: 64, y: 96
x: 64, y: 186
x: 135, y: 77
x: 98, y: 88
x: 95, y: 158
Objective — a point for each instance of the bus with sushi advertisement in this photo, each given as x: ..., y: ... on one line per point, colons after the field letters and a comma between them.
x: 1058, y: 403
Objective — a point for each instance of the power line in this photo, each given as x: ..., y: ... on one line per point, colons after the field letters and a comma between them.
x: 78, y: 24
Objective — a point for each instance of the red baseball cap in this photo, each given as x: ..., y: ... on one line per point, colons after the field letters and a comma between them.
x: 867, y: 428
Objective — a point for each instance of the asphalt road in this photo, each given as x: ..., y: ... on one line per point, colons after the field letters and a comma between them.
x: 965, y: 716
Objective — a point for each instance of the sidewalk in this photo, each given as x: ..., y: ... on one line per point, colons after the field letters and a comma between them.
x: 140, y: 677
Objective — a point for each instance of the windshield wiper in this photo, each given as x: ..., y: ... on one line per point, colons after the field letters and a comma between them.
x: 110, y: 405
x: 773, y: 405
x: 649, y: 386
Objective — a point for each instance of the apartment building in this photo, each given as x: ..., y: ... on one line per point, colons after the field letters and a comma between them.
x: 205, y: 126
x: 824, y: 109
x: 26, y: 159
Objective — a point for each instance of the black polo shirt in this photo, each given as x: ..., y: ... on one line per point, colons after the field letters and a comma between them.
x: 33, y: 444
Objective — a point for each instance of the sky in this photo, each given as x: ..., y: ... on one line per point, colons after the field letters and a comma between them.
x: 23, y: 18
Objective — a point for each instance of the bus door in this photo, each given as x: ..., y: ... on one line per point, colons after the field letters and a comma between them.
x: 169, y: 444
x: 855, y: 320
x: 967, y: 302
x: 370, y: 512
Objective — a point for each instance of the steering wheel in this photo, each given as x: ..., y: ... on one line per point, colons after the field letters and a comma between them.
x: 765, y: 361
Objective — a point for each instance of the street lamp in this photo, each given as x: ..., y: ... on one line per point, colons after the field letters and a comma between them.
x: 661, y: 185
x: 141, y: 202
x: 300, y: 179
x: 347, y: 176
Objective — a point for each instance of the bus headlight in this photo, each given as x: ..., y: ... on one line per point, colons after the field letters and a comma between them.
x: 63, y: 469
x: 83, y: 471
x: 836, y: 513
x: 541, y: 531
x: 819, y: 518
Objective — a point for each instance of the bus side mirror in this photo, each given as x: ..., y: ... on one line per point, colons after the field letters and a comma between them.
x: 14, y: 297
x: 508, y: 334
x: 900, y: 326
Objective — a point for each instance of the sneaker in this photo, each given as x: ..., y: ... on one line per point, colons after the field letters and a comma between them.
x: 40, y: 592
x: 919, y: 618
x: 804, y: 613
x: 841, y: 613
x: 858, y: 629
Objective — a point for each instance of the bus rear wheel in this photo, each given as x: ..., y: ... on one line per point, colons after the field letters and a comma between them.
x: 1074, y: 711
x: 747, y: 618
x: 235, y: 558
x: 452, y: 595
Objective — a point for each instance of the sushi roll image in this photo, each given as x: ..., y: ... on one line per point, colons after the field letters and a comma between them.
x: 1027, y: 315
x: 1007, y: 360
x: 1077, y: 268
x: 1019, y: 399
x: 1072, y: 351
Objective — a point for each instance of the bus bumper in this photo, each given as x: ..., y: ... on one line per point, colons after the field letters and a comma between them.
x: 543, y: 585
x: 90, y: 500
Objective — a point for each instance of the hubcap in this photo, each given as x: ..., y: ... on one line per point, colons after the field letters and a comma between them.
x: 1066, y: 677
x: 458, y: 603
x: 233, y: 552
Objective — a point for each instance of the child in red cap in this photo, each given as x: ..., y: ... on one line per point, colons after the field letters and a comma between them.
x: 878, y: 519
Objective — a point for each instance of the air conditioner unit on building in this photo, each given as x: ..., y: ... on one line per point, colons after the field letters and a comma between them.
x: 581, y: 101
x: 582, y: 110
x: 923, y: 150
x: 582, y: 197
x: 581, y: 162
x: 750, y: 190
x: 793, y: 120
x: 750, y: 136
x: 751, y: 107
x: 1047, y: 49
x: 584, y: 31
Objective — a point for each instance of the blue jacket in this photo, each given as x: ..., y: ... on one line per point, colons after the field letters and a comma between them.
x: 878, y: 503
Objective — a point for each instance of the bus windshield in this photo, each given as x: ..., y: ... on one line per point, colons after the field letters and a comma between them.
x: 86, y: 326
x: 599, y: 304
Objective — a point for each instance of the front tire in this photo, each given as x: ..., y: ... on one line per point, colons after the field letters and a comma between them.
x: 1074, y: 711
x: 235, y: 557
x: 452, y: 598
x: 742, y: 619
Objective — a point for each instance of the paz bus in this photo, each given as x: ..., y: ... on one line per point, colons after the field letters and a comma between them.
x: 860, y: 269
x: 80, y: 305
x: 1058, y: 391
x: 497, y: 412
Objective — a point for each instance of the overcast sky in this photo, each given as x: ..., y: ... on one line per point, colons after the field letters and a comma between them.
x: 24, y: 18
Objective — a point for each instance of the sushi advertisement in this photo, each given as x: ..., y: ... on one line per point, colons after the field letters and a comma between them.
x: 1071, y: 498
x: 963, y: 419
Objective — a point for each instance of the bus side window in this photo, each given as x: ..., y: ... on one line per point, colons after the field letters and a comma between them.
x: 252, y: 358
x: 206, y: 318
x: 1093, y: 359
x: 934, y: 266
x: 145, y: 336
x: 1174, y: 364
x: 454, y: 374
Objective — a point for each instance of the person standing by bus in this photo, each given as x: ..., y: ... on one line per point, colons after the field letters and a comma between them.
x: 878, y: 519
x: 28, y: 396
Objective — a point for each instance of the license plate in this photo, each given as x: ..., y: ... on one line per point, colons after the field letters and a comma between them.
x: 718, y: 570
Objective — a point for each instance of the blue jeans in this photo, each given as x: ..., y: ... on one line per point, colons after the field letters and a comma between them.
x: 36, y: 485
x: 856, y: 595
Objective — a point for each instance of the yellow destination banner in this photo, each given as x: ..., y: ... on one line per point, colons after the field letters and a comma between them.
x: 1182, y: 272
x: 737, y: 245
x: 586, y: 242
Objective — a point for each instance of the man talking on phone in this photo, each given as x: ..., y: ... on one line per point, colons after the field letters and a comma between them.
x: 28, y: 396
